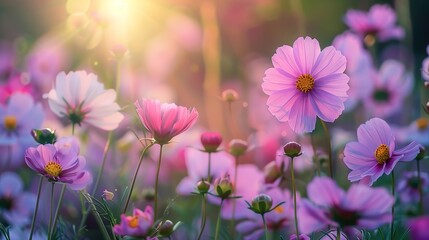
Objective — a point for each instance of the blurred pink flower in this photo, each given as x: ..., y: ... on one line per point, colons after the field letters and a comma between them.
x: 359, y: 66
x: 137, y: 225
x: 60, y: 162
x: 379, y: 22
x: 375, y: 153
x: 391, y: 87
x: 165, y: 121
x: 81, y: 98
x: 419, y: 228
x: 361, y: 206
x: 408, y: 186
x: 16, y: 83
x: 306, y: 83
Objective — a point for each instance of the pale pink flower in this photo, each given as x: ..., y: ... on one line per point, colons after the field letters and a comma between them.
x: 165, y: 121
x: 81, y: 98
x: 305, y: 84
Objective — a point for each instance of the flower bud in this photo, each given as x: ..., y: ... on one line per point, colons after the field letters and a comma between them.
x: 229, y: 95
x: 292, y: 149
x: 421, y: 154
x: 203, y: 186
x: 262, y: 203
x: 166, y: 228
x: 271, y: 172
x: 237, y: 147
x: 223, y: 186
x: 148, y: 194
x: 44, y: 136
x: 108, y: 195
x: 211, y: 141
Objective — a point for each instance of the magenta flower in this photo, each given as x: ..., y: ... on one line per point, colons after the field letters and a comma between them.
x: 16, y: 83
x: 165, y: 121
x: 137, y: 225
x: 60, y: 162
x: 408, y: 186
x: 391, y: 86
x: 419, y: 228
x: 378, y: 23
x: 16, y: 206
x: 82, y: 99
x: 211, y: 141
x: 306, y: 83
x: 360, y: 207
x: 374, y: 153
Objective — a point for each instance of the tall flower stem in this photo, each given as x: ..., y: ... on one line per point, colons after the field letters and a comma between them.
x: 328, y: 142
x: 203, y: 215
x: 292, y: 173
x: 57, y: 210
x: 218, y: 221
x: 73, y: 126
x: 209, y: 178
x: 51, y: 211
x: 135, y: 176
x: 393, y: 206
x: 265, y: 227
x: 420, y: 188
x: 338, y: 233
x: 33, y: 222
x: 157, y: 180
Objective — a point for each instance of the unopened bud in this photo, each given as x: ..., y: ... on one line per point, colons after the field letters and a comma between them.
x: 211, y: 141
x: 262, y: 203
x: 421, y: 154
x: 166, y: 228
x: 237, y: 147
x: 229, y: 95
x: 203, y: 186
x: 148, y: 194
x: 223, y: 186
x: 292, y: 149
x: 44, y: 136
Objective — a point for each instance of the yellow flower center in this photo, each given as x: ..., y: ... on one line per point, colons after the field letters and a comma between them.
x: 305, y: 83
x: 422, y: 123
x: 9, y: 122
x: 134, y: 222
x: 279, y: 209
x: 382, y: 154
x: 54, y: 169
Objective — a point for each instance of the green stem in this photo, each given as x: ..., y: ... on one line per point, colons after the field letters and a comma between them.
x: 73, y: 129
x: 420, y: 188
x: 265, y: 227
x: 51, y: 211
x: 97, y: 217
x: 338, y: 233
x: 292, y: 173
x: 209, y: 178
x: 393, y: 206
x: 203, y: 216
x: 218, y: 221
x: 157, y: 180
x: 135, y: 176
x: 328, y: 142
x: 60, y: 200
x: 33, y: 222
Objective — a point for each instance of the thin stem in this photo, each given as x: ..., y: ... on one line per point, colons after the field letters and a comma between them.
x: 60, y: 200
x: 338, y: 233
x: 328, y: 142
x: 97, y: 182
x: 294, y: 196
x: 51, y: 211
x: 265, y: 227
x: 73, y: 125
x: 420, y: 188
x: 393, y: 206
x: 203, y: 216
x: 218, y: 221
x: 135, y: 175
x: 209, y: 177
x: 156, y: 181
x: 33, y: 222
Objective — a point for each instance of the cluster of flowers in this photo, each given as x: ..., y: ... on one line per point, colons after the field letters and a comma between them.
x: 306, y: 83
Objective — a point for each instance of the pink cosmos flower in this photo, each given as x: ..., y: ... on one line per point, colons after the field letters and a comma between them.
x: 306, y: 83
x: 391, y: 86
x: 408, y: 186
x: 359, y: 66
x: 60, y: 162
x: 137, y: 225
x: 379, y: 22
x: 360, y: 207
x: 375, y: 153
x: 165, y: 121
x: 16, y: 83
x: 81, y: 98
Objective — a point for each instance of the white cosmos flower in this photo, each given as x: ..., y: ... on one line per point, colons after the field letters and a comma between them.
x: 81, y: 98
